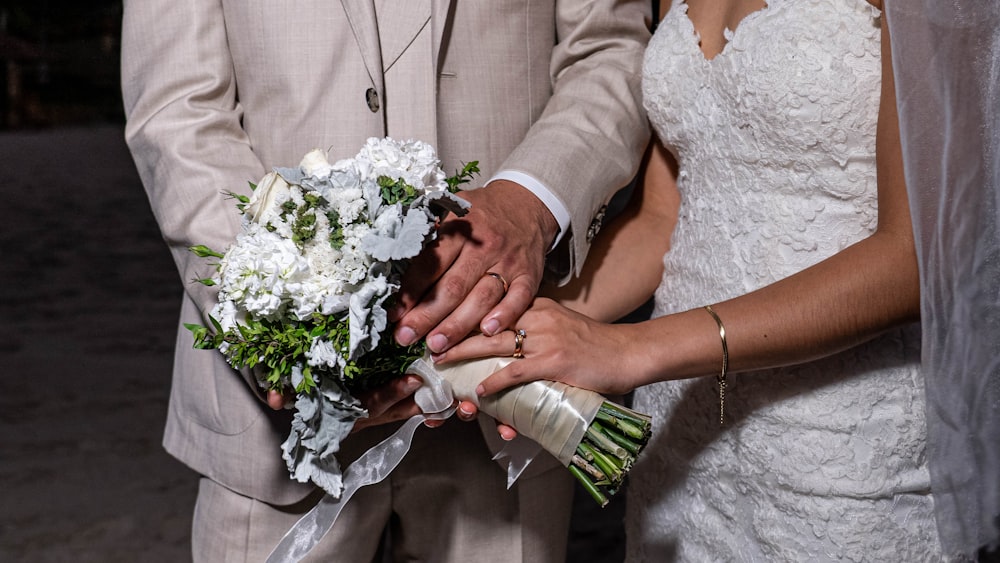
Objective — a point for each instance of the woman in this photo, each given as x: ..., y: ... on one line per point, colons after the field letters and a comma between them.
x: 780, y: 129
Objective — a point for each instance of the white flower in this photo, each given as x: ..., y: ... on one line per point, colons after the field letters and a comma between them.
x: 305, y: 300
x: 227, y: 314
x: 257, y: 270
x: 414, y: 162
x: 314, y: 163
x: 265, y: 203
x: 348, y: 201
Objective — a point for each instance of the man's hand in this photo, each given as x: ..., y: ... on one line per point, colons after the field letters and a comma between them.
x: 390, y: 403
x: 482, y: 272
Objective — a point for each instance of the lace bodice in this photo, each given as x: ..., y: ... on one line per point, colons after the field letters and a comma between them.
x: 775, y: 139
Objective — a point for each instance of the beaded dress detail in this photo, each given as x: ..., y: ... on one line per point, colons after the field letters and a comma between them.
x: 775, y: 138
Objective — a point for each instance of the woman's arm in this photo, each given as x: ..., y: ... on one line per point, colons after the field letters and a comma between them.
x: 623, y: 268
x: 845, y: 300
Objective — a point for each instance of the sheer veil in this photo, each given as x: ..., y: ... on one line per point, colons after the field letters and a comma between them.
x: 946, y: 56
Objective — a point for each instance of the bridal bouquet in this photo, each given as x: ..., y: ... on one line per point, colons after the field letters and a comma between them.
x: 303, y: 292
x: 303, y: 289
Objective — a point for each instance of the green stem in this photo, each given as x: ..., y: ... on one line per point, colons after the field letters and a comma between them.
x: 607, y: 465
x: 638, y: 425
x: 633, y: 431
x: 622, y: 441
x: 590, y: 487
x: 596, y: 434
x: 588, y: 468
x: 609, y: 448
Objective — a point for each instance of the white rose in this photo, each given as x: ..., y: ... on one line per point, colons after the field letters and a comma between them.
x: 315, y: 163
x: 272, y: 191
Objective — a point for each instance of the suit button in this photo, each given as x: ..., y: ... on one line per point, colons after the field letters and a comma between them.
x: 371, y: 96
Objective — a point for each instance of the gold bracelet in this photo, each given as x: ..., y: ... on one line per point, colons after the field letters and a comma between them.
x: 721, y: 378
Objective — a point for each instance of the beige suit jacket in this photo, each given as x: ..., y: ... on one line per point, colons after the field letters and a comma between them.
x: 219, y: 91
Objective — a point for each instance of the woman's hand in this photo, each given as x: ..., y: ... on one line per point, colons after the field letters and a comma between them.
x: 559, y: 345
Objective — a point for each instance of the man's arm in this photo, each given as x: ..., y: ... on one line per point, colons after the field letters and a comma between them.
x: 587, y: 143
x: 185, y: 132
x: 590, y: 139
x: 183, y: 128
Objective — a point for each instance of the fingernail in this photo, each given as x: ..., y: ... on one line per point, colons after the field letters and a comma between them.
x: 436, y: 357
x: 437, y: 343
x: 411, y: 384
x: 406, y: 336
x: 506, y: 436
x: 480, y: 390
x: 491, y: 327
x: 465, y: 410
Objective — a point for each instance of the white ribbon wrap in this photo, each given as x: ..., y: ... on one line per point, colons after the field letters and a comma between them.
x: 554, y: 415
x: 547, y: 415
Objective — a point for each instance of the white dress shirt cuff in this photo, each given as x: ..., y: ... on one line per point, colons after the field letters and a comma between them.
x: 533, y: 185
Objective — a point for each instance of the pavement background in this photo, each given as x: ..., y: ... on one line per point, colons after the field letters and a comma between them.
x: 87, y: 325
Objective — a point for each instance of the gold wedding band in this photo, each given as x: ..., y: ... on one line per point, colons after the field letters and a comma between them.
x: 500, y: 279
x: 519, y: 336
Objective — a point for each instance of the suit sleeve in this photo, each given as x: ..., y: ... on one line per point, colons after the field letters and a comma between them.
x: 590, y: 138
x: 184, y: 129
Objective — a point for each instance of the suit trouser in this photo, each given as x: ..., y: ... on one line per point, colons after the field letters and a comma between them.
x: 447, y: 501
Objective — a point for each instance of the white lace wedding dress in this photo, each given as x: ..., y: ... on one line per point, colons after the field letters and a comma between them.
x: 775, y: 138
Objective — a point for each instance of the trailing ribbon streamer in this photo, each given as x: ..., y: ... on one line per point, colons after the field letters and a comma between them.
x: 435, y: 399
x: 548, y: 415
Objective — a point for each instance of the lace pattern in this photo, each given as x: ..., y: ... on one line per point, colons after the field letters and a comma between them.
x: 775, y: 138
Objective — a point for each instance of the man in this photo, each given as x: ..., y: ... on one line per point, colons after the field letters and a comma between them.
x: 216, y: 93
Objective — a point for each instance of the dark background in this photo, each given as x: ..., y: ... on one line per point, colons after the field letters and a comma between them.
x: 88, y: 313
x: 60, y: 62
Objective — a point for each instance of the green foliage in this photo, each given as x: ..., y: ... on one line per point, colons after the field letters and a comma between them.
x: 203, y: 251
x: 386, y: 362
x: 203, y: 340
x: 241, y: 200
x: 396, y: 191
x: 304, y: 227
x: 463, y: 176
x: 277, y: 347
x: 336, y: 230
x: 302, y: 218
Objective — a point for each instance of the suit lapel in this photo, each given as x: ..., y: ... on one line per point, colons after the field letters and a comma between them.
x: 361, y: 16
x: 399, y: 21
x: 388, y: 31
